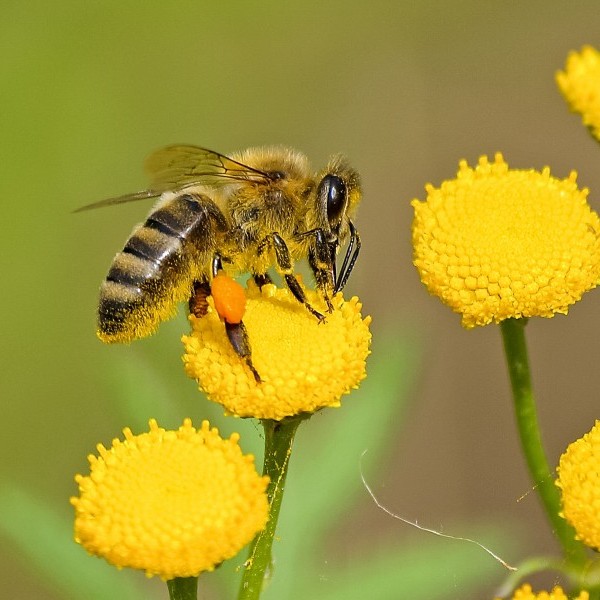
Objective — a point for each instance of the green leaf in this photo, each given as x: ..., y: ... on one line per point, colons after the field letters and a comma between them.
x: 46, y: 541
x: 142, y: 393
x: 434, y: 570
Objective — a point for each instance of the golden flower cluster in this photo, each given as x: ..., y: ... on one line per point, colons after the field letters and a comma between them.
x: 304, y: 365
x: 579, y: 481
x: 497, y: 243
x: 525, y: 592
x: 580, y: 85
x: 173, y: 503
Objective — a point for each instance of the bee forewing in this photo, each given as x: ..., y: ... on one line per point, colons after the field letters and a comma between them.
x: 182, y: 165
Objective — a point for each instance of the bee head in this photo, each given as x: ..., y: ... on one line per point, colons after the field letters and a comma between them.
x: 338, y: 195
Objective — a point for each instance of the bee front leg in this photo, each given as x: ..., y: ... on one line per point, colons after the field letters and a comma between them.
x: 349, y: 259
x: 261, y: 279
x: 284, y: 265
x: 321, y: 258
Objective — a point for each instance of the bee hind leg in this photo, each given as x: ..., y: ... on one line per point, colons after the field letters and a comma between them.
x: 238, y: 337
x: 236, y: 332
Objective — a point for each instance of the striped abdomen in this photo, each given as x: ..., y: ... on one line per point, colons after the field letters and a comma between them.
x: 157, y: 267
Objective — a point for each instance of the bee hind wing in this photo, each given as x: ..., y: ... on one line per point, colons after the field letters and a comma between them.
x: 141, y: 195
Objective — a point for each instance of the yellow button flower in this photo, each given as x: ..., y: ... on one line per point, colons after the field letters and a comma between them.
x: 525, y: 593
x: 304, y: 365
x: 579, y: 480
x: 173, y: 503
x: 580, y: 85
x: 497, y: 243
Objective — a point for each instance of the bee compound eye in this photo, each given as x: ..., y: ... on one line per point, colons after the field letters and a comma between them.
x: 332, y: 191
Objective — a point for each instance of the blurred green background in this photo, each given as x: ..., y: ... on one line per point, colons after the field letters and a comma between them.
x: 405, y: 90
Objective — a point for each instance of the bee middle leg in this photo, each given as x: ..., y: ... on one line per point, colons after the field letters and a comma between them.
x: 198, y: 303
x: 284, y: 264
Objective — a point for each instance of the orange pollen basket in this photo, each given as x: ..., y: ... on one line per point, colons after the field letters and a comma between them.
x: 229, y: 298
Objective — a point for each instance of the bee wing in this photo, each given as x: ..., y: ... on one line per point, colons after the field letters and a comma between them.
x: 181, y: 165
x: 142, y: 195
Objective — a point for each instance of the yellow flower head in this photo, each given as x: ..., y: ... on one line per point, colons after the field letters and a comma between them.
x: 525, y: 593
x: 304, y: 365
x: 497, y: 243
x: 579, y: 480
x: 173, y: 503
x: 580, y: 85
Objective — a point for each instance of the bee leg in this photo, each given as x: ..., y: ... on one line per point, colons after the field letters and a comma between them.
x: 261, y: 279
x: 238, y: 336
x: 236, y: 331
x: 296, y: 289
x: 198, y: 304
x: 217, y: 264
x: 349, y: 258
x: 321, y: 258
x: 284, y: 263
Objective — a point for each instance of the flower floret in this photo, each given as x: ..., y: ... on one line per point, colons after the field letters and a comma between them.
x: 498, y: 243
x: 525, y: 592
x: 579, y: 83
x: 173, y: 503
x: 304, y: 365
x: 579, y: 482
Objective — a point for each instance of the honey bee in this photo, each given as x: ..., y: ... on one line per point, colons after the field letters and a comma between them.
x: 259, y: 208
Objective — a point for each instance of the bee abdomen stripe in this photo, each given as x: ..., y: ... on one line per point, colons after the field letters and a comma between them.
x: 178, y: 217
x: 128, y: 279
x: 132, y: 271
x: 117, y: 301
x: 152, y: 245
x: 140, y: 249
x: 156, y: 221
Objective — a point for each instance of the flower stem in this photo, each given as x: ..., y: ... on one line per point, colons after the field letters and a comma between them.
x: 279, y: 437
x: 183, y: 588
x: 515, y: 348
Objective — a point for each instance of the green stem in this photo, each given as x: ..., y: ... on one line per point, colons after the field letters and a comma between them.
x: 515, y: 348
x: 183, y: 588
x: 279, y: 437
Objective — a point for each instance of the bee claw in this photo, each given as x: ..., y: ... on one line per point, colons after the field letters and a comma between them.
x: 329, y: 304
x: 254, y: 371
x: 314, y: 312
